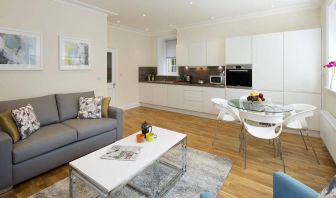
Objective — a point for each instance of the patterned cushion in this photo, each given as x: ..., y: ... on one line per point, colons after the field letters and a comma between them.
x: 105, y: 106
x: 329, y: 190
x: 26, y: 120
x: 90, y: 108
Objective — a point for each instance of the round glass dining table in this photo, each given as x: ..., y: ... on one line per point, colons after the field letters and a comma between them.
x: 264, y: 106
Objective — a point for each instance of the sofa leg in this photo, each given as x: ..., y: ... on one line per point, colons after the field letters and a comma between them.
x: 2, y: 191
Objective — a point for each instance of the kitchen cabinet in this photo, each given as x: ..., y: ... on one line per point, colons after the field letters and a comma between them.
x: 306, y: 98
x: 208, y: 94
x: 215, y: 50
x: 238, y: 50
x: 277, y: 97
x: 175, y: 96
x: 193, y: 98
x: 302, y: 61
x: 160, y: 94
x: 267, y: 60
x: 182, y: 55
x: 232, y: 93
x: 197, y: 54
x: 146, y: 93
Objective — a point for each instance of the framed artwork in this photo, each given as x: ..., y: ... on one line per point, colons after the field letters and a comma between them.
x: 74, y: 53
x: 20, y: 50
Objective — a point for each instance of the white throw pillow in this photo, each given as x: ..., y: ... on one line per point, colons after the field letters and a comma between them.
x: 90, y: 108
x: 26, y: 120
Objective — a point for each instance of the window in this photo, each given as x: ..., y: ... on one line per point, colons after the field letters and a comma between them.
x: 171, y: 56
x: 167, y: 56
x: 171, y: 64
x: 331, y: 44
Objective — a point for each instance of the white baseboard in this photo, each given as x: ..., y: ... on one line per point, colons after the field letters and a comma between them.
x: 212, y: 116
x: 130, y: 106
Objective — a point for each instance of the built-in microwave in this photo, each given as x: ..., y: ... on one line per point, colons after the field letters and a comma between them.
x: 239, y: 76
x: 217, y: 79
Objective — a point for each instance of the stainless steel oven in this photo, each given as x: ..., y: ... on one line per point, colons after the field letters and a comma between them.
x: 239, y: 76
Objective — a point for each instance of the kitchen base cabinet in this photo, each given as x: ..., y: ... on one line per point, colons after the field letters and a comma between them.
x: 232, y: 93
x: 175, y: 96
x: 160, y: 94
x: 193, y: 98
x: 306, y: 98
x: 146, y: 93
x: 208, y: 94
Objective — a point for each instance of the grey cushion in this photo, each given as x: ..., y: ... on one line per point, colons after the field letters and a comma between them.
x: 68, y: 104
x: 91, y: 127
x: 42, y: 141
x: 45, y: 108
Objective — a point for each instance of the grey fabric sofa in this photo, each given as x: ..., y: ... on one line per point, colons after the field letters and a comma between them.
x: 61, y: 138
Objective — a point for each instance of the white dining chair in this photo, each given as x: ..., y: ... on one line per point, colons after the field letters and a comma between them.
x: 298, y: 119
x: 226, y: 114
x: 270, y: 131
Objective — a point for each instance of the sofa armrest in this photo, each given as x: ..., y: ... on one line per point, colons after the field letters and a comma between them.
x: 6, y: 166
x: 285, y: 186
x: 117, y: 113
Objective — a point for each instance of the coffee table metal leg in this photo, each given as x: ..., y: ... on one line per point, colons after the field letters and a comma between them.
x: 156, y: 179
x: 184, y: 155
x: 72, y: 185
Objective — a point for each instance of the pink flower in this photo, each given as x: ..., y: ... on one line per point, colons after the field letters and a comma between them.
x: 330, y: 64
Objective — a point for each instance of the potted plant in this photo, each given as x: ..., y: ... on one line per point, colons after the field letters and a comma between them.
x: 331, y: 65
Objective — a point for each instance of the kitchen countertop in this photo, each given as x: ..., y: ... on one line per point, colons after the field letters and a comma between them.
x: 184, y: 83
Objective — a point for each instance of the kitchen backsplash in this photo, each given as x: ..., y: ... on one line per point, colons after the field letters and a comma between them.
x: 197, y: 73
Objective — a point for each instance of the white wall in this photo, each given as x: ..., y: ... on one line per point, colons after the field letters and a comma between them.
x: 273, y: 23
x: 134, y: 50
x: 54, y: 18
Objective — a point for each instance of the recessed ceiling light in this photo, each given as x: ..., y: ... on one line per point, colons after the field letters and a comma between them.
x: 190, y: 2
x: 212, y: 18
x: 144, y: 15
x: 147, y: 29
x: 118, y: 21
x: 170, y: 25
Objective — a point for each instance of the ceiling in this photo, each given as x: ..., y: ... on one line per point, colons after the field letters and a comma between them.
x: 165, y: 15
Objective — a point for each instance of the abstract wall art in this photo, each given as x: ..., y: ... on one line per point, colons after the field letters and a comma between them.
x: 74, y: 54
x: 20, y: 50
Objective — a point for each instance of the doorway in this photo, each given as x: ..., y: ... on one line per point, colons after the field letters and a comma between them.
x: 111, y: 67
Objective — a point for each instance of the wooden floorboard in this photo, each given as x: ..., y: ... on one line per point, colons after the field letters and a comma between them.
x: 255, y: 181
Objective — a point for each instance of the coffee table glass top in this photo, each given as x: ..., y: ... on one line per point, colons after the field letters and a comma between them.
x: 259, y: 106
x: 109, y: 174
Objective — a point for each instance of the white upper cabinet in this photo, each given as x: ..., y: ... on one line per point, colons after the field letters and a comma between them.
x: 197, y: 54
x: 267, y: 60
x: 182, y: 54
x: 302, y: 61
x: 215, y: 50
x: 238, y: 50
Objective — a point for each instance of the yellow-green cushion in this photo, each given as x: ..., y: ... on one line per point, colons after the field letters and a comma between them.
x: 8, y: 125
x: 105, y: 106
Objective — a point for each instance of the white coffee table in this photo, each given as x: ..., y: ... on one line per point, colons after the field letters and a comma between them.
x: 108, y: 176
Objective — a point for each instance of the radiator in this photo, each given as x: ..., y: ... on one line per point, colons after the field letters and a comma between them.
x: 328, y: 132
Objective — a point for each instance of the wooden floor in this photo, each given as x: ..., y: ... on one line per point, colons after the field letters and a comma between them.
x: 255, y: 181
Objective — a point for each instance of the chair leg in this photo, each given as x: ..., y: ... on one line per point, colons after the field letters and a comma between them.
x: 317, y: 159
x: 241, y: 137
x: 245, y: 149
x: 281, y: 155
x: 304, y: 141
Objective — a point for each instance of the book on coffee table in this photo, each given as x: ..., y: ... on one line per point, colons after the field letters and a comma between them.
x: 121, y: 152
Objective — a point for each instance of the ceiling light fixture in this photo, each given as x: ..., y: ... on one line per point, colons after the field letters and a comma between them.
x: 144, y: 15
x: 212, y: 18
x: 147, y: 29
x: 118, y: 21
x: 170, y: 25
x: 190, y: 2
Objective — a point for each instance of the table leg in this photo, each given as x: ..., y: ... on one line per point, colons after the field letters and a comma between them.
x: 72, y: 184
x: 155, y: 179
x: 184, y: 155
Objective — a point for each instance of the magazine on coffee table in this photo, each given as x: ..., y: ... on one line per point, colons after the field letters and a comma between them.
x: 120, y: 152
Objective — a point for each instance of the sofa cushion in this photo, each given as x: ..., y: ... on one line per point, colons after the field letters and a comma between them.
x: 26, y: 120
x: 91, y: 127
x: 45, y: 108
x: 68, y: 104
x: 44, y: 140
x: 90, y: 108
x: 8, y: 125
